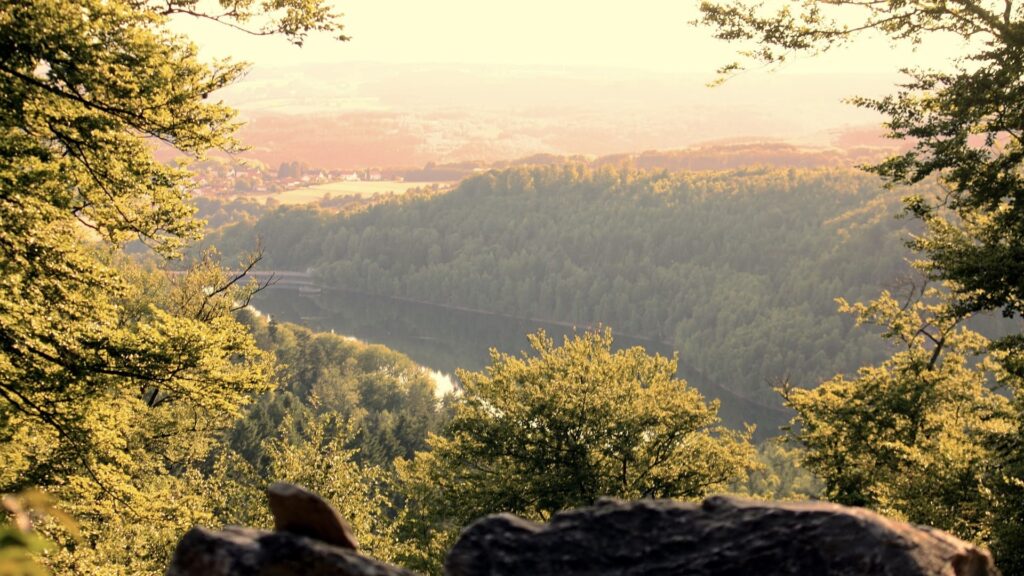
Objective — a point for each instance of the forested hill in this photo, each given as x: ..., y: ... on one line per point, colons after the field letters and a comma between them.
x: 737, y: 269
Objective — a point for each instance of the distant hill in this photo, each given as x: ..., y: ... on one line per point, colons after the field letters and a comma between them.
x: 350, y: 116
x: 730, y: 156
x: 709, y: 156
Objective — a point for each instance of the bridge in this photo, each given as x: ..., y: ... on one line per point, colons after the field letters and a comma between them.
x: 285, y: 279
x: 301, y: 281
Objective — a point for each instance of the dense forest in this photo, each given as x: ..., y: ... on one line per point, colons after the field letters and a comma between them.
x: 387, y: 399
x: 357, y: 421
x: 739, y: 270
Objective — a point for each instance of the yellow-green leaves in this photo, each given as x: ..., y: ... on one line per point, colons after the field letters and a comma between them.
x: 916, y: 436
x: 115, y: 379
x: 921, y: 434
x: 321, y: 462
x: 564, y: 426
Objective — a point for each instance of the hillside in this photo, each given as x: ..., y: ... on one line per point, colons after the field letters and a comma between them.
x: 738, y: 270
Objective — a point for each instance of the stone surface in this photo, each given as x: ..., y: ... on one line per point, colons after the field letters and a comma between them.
x: 299, y: 511
x: 723, y: 536
x: 248, y: 552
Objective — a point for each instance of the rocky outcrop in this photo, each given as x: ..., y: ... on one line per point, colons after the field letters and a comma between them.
x: 722, y: 536
x: 247, y: 552
x: 299, y: 511
x: 310, y: 538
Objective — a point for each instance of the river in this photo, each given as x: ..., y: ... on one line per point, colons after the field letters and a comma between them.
x: 443, y: 339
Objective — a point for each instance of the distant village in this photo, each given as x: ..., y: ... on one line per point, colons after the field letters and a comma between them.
x: 219, y: 177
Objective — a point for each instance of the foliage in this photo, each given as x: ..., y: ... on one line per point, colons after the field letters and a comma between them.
x: 779, y: 474
x: 388, y: 400
x: 18, y: 541
x: 293, y: 234
x: 911, y: 437
x: 322, y: 463
x: 131, y: 463
x: 219, y: 213
x: 315, y: 455
x: 342, y: 411
x: 543, y: 433
x: 964, y: 129
x: 115, y: 378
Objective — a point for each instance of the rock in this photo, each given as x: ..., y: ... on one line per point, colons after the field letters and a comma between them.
x: 299, y: 511
x: 249, y: 552
x: 723, y: 536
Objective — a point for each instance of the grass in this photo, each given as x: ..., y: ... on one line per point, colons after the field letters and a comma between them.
x: 312, y: 194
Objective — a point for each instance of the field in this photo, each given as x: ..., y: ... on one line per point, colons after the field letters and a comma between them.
x: 311, y: 194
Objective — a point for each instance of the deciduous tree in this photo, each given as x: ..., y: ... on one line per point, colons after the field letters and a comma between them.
x: 916, y: 434
x: 913, y: 437
x: 113, y: 377
x: 560, y: 428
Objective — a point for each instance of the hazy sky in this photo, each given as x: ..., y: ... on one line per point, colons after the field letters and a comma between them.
x: 641, y: 34
x: 489, y: 79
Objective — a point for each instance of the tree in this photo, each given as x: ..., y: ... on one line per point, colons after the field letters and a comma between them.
x: 388, y: 400
x: 18, y: 543
x: 912, y: 437
x: 559, y: 429
x: 737, y: 270
x: 966, y: 127
x: 124, y: 456
x: 114, y: 377
x: 83, y: 97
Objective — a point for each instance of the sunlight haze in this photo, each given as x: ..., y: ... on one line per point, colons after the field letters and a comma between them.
x: 455, y: 80
x: 643, y: 35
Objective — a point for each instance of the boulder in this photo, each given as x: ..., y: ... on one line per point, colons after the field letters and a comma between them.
x: 299, y: 511
x: 721, y: 536
x: 248, y: 552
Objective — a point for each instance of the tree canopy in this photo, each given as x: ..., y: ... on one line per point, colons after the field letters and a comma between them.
x: 737, y: 270
x: 115, y: 377
x: 557, y: 429
x: 917, y: 435
x: 86, y: 88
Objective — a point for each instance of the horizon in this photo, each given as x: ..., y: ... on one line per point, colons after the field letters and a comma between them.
x: 572, y: 78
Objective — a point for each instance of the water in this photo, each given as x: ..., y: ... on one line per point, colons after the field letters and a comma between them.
x: 443, y: 339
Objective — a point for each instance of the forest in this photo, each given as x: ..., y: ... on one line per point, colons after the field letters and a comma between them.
x: 142, y: 394
x: 738, y: 270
